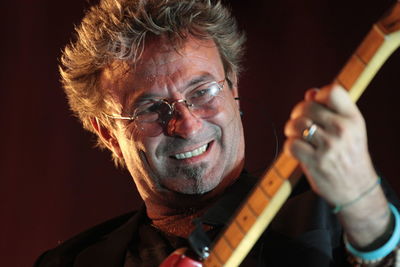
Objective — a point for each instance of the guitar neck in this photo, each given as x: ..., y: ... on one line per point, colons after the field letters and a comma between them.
x: 273, y: 189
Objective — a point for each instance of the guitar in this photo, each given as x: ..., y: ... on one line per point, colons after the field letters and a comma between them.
x: 273, y: 189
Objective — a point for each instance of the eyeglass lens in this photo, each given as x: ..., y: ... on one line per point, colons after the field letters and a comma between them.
x: 166, y: 111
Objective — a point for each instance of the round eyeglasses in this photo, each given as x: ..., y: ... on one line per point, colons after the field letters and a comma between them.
x: 152, y: 117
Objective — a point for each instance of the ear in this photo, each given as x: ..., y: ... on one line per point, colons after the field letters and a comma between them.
x: 107, y: 137
x: 233, y: 83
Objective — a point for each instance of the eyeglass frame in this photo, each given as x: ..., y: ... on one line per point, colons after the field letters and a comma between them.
x: 170, y: 104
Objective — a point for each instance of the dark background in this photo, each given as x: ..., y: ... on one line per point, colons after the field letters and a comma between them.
x: 54, y: 184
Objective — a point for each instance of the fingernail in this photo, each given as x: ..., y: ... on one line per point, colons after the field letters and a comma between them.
x: 312, y: 93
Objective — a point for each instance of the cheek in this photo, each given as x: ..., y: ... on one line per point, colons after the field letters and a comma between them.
x: 228, y: 113
x: 136, y: 159
x: 146, y: 150
x: 232, y: 130
x: 140, y: 142
x: 130, y: 143
x: 131, y: 132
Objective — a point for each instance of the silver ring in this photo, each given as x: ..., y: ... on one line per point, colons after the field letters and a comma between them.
x: 309, y: 132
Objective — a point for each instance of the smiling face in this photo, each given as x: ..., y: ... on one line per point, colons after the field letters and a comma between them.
x: 193, y: 155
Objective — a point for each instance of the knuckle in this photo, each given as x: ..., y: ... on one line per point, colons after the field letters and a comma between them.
x: 288, y: 146
x: 322, y: 162
x: 291, y: 146
x: 309, y: 106
x: 287, y: 128
x: 299, y: 124
x: 359, y: 119
x: 297, y: 110
x: 328, y: 144
x: 338, y: 126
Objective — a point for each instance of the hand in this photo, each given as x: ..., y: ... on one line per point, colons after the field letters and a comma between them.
x: 336, y: 160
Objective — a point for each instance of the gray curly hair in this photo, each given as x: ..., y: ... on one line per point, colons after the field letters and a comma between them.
x: 116, y: 30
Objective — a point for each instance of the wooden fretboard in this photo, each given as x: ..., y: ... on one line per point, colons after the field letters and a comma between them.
x: 275, y: 186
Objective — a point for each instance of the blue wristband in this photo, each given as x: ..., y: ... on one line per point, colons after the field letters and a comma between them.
x: 387, y: 248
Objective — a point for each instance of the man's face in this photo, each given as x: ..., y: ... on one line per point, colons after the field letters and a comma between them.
x: 161, y: 165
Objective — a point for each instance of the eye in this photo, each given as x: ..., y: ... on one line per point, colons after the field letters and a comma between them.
x: 144, y: 108
x: 148, y: 112
x: 204, y: 93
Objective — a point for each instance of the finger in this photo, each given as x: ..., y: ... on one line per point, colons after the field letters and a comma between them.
x: 300, y: 150
x: 310, y: 94
x: 313, y: 110
x: 300, y: 129
x: 337, y: 99
x: 319, y: 114
x: 296, y: 126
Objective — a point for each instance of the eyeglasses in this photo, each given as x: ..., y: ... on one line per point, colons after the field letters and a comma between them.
x: 152, y: 117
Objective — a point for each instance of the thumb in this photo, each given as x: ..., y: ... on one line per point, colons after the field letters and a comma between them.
x: 337, y: 99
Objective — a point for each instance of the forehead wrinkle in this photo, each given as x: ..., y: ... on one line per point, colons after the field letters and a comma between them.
x: 155, y: 57
x: 157, y: 65
x: 161, y: 80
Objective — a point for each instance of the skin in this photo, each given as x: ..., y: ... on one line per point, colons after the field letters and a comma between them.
x: 337, y: 163
x: 175, y: 189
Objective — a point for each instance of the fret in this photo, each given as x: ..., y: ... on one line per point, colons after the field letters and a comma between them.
x: 222, y: 250
x: 373, y: 41
x: 245, y: 218
x: 391, y: 22
x: 227, y: 242
x: 246, y: 221
x: 212, y: 261
x: 351, y: 71
x: 258, y: 200
x: 378, y: 45
x: 233, y: 235
x: 271, y: 184
x: 285, y: 166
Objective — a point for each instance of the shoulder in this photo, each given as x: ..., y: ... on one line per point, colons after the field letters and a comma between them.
x: 66, y: 253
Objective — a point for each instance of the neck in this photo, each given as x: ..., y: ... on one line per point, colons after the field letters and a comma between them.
x: 177, y: 225
x: 174, y: 215
x: 175, y: 218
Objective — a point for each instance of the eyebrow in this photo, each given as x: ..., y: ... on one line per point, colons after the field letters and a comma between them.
x: 199, y: 79
x: 194, y: 81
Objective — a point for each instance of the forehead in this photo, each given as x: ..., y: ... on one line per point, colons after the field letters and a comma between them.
x: 160, y: 58
x: 163, y: 68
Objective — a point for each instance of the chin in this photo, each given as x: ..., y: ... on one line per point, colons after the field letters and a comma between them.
x: 192, y: 188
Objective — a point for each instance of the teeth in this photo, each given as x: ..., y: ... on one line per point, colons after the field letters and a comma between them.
x: 193, y: 153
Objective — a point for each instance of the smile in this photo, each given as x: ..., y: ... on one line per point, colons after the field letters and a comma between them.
x: 193, y: 153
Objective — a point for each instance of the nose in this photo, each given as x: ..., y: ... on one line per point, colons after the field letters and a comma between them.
x: 183, y: 122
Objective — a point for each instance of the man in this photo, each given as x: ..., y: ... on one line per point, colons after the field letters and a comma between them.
x: 157, y: 82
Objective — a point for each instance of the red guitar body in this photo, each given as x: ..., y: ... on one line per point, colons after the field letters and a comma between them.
x: 179, y: 259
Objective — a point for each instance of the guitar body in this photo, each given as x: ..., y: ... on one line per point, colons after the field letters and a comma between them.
x: 179, y: 259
